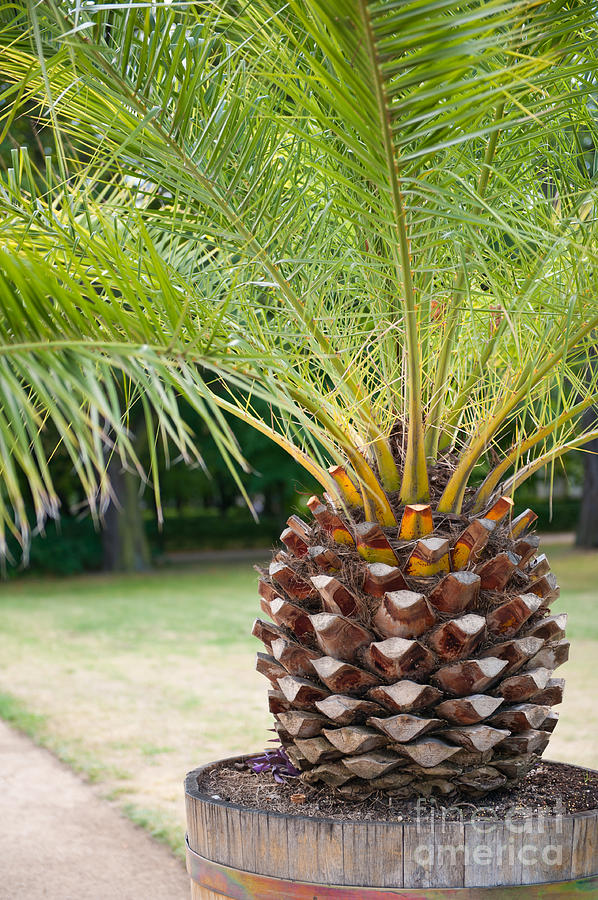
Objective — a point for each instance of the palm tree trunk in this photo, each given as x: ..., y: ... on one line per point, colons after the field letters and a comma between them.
x: 124, y: 541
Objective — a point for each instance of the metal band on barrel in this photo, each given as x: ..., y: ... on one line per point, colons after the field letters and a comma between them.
x: 236, y: 884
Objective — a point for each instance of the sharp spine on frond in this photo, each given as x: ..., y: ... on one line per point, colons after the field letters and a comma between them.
x: 545, y: 459
x: 452, y: 497
x: 434, y: 417
x: 510, y: 459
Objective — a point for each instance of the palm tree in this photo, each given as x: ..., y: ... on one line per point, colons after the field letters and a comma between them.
x: 377, y: 218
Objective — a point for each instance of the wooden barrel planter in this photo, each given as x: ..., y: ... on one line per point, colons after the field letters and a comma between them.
x: 248, y: 854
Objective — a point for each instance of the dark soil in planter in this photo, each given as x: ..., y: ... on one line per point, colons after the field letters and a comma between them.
x: 550, y: 788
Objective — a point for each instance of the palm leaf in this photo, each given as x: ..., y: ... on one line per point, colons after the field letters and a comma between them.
x: 377, y: 217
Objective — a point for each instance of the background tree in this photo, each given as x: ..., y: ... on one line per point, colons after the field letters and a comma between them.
x: 587, y: 528
x: 125, y: 546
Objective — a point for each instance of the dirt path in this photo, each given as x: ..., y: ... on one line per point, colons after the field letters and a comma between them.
x: 60, y: 841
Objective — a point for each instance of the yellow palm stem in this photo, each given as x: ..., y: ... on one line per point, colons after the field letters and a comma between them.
x: 516, y: 480
x: 452, y: 498
x: 492, y: 480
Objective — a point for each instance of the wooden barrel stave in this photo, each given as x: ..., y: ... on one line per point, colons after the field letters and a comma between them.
x: 383, y: 858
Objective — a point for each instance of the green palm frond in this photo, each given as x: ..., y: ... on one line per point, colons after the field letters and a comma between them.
x: 378, y: 217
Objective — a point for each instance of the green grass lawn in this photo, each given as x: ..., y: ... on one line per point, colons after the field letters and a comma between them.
x: 134, y: 680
